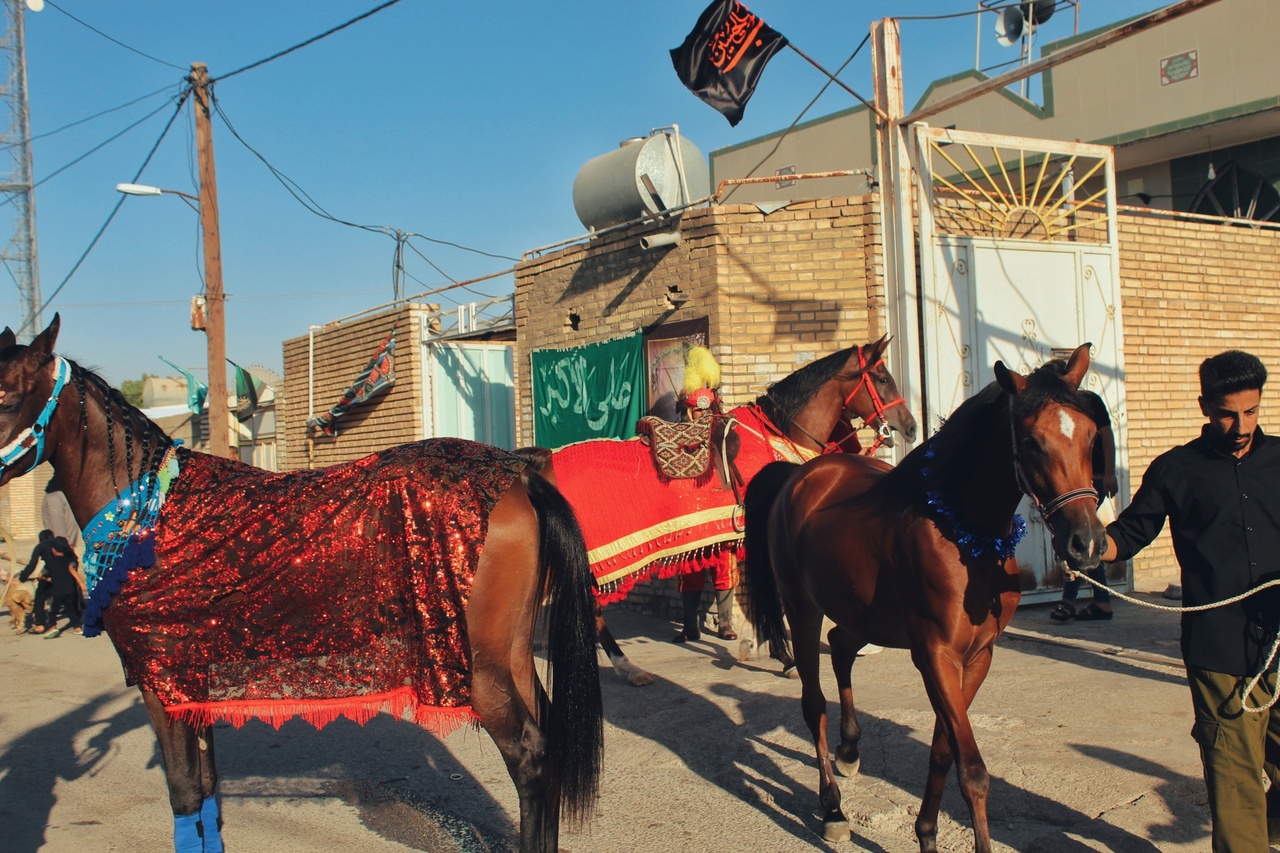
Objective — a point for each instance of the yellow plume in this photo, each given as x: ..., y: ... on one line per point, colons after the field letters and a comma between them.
x: 700, y: 370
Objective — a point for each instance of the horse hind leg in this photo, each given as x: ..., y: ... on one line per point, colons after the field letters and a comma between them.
x: 806, y: 631
x: 844, y: 651
x: 630, y: 673
x: 192, y: 778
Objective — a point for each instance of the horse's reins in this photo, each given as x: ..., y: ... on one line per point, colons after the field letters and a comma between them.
x: 883, y: 430
x: 1050, y: 507
x: 33, y: 436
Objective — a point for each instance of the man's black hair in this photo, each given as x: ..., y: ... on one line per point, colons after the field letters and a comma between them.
x: 45, y: 535
x: 1230, y: 372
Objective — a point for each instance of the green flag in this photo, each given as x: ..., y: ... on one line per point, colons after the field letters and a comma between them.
x: 196, y: 390
x: 591, y: 391
x: 246, y: 394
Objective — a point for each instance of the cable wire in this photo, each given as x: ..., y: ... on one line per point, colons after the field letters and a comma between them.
x: 112, y: 40
x: 47, y: 134
x: 808, y: 107
x: 303, y: 44
x: 96, y: 237
x: 92, y: 150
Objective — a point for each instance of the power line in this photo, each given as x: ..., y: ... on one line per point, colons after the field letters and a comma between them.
x: 111, y: 39
x: 303, y: 44
x: 88, y: 118
x: 808, y: 107
x: 91, y: 151
x: 96, y: 237
x: 304, y: 198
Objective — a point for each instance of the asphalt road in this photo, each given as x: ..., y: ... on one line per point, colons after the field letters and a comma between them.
x: 1084, y: 727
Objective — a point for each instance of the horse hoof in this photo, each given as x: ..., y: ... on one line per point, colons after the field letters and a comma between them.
x: 849, y: 768
x: 836, y: 831
x: 790, y: 672
x: 640, y: 679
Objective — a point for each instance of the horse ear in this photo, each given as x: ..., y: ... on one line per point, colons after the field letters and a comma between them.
x: 7, y: 338
x: 1012, y: 382
x: 878, y: 348
x: 44, y: 341
x: 1078, y: 365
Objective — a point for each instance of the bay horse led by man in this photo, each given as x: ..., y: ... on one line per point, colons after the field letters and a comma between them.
x: 225, y: 590
x: 640, y: 523
x: 921, y: 557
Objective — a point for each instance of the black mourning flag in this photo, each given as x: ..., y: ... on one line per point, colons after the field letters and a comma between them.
x: 722, y: 59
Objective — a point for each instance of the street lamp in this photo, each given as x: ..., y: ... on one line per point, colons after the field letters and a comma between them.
x: 215, y: 332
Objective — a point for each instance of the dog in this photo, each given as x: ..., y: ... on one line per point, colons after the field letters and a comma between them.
x: 21, y: 601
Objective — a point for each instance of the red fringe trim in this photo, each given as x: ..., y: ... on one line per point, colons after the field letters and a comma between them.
x: 668, y: 567
x: 440, y: 721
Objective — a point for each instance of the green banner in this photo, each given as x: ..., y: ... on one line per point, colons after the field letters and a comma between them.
x: 592, y: 391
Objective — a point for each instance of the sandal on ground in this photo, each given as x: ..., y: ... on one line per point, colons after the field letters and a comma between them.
x: 687, y: 636
x: 39, y: 629
x: 1092, y: 613
x: 728, y: 634
x: 1062, y: 612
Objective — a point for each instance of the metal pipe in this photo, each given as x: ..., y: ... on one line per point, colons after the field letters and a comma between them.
x: 662, y: 238
x: 802, y: 176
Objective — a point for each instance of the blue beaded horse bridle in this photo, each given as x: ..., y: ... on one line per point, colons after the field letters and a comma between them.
x: 33, y: 436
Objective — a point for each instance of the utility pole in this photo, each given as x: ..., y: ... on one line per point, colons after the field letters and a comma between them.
x: 215, y: 328
x: 19, y: 255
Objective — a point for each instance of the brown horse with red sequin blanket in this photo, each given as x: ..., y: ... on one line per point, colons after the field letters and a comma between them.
x: 225, y: 589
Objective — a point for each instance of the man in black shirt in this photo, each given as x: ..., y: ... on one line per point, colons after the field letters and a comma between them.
x: 1221, y: 494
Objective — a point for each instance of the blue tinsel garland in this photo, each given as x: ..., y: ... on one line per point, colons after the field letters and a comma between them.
x: 976, y: 544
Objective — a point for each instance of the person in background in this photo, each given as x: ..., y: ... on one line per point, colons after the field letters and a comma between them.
x: 66, y: 587
x: 1221, y: 495
x: 38, y: 606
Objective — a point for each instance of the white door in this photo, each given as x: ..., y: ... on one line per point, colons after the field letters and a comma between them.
x: 986, y: 296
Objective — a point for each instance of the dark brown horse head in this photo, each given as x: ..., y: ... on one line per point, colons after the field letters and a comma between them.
x: 26, y: 383
x: 875, y: 397
x: 1053, y: 437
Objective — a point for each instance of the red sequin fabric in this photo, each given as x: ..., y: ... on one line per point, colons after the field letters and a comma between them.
x: 336, y: 591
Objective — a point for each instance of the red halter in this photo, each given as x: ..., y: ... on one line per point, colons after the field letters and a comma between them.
x: 882, y: 429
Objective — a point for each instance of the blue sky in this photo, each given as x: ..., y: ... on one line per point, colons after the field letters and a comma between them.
x: 462, y: 122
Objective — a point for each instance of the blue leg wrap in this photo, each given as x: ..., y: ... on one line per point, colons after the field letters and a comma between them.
x: 209, y: 820
x: 186, y: 834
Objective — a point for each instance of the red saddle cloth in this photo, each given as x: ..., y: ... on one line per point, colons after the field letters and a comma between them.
x: 336, y: 591
x: 639, y: 523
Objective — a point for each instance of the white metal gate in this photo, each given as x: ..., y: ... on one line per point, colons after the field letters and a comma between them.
x: 1018, y: 263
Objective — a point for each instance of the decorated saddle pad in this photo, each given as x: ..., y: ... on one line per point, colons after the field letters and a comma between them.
x: 337, y: 591
x: 680, y: 451
x: 639, y: 523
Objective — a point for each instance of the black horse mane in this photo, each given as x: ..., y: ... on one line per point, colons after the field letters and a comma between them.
x: 116, y: 409
x: 785, y: 399
x: 945, y: 461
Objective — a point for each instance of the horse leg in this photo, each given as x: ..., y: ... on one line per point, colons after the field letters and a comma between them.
x: 806, y: 634
x: 844, y: 651
x: 192, y: 777
x: 952, y: 684
x: 504, y: 683
x: 632, y: 674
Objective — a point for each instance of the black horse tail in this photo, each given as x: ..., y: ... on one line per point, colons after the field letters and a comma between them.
x: 766, y: 608
x: 572, y: 718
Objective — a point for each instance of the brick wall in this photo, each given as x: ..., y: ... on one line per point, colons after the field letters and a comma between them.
x: 1190, y: 289
x: 341, y: 351
x: 778, y: 291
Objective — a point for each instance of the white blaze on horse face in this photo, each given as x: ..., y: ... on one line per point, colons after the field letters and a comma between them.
x: 1066, y: 424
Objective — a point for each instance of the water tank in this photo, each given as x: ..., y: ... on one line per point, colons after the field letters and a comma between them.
x: 621, y: 186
